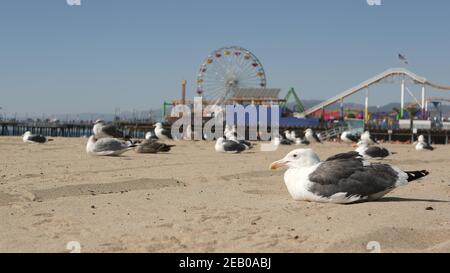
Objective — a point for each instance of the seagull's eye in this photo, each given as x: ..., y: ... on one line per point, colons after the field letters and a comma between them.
x: 295, y: 156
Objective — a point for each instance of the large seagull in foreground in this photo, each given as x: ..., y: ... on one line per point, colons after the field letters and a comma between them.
x: 342, y: 179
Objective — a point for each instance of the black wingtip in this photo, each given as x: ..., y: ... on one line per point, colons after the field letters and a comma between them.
x: 414, y: 175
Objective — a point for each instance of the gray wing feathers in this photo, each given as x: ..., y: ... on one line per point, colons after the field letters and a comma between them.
x: 152, y: 146
x: 350, y: 176
x: 37, y: 138
x: 111, y: 130
x: 108, y: 144
x: 230, y: 146
x: 348, y: 155
x: 377, y: 152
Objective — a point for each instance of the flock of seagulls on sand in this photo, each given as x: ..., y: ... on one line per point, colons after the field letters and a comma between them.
x: 342, y: 178
x: 109, y: 141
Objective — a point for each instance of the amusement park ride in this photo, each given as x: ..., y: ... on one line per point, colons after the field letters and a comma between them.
x: 228, y: 69
x: 234, y: 75
x: 437, y: 103
x: 389, y: 75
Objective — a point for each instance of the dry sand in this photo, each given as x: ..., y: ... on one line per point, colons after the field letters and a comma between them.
x: 196, y: 200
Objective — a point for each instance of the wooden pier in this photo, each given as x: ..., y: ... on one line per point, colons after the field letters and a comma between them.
x: 82, y: 129
x: 139, y: 129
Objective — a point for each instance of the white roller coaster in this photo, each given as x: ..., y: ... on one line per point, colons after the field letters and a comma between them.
x: 393, y: 72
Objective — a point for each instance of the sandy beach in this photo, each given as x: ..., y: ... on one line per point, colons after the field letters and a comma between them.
x: 196, y: 200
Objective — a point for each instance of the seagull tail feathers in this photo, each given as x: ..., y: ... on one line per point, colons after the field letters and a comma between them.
x: 414, y: 175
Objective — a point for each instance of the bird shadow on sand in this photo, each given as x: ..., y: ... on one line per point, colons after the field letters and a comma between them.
x: 399, y: 199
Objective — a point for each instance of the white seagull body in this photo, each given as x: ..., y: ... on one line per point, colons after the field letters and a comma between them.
x: 229, y: 146
x: 151, y: 135
x: 423, y: 145
x: 28, y: 137
x: 288, y: 135
x: 311, y: 136
x: 161, y: 133
x: 348, y: 138
x: 366, y: 137
x: 107, y: 146
x: 367, y: 151
x: 229, y: 135
x: 343, y: 179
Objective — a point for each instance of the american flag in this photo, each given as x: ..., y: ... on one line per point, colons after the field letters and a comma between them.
x: 402, y: 58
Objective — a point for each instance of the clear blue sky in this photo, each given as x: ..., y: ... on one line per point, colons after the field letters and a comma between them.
x: 55, y: 58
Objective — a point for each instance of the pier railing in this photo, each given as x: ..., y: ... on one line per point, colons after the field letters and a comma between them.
x: 75, y: 129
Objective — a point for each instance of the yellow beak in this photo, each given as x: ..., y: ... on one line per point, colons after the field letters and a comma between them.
x: 277, y: 164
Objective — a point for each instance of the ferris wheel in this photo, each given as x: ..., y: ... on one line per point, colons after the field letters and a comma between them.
x: 227, y: 69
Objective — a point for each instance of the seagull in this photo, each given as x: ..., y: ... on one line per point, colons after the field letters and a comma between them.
x: 230, y: 131
x: 229, y: 146
x: 161, y: 133
x: 107, y: 146
x: 28, y: 137
x: 348, y: 138
x: 230, y: 134
x: 374, y: 152
x: 277, y: 140
x: 288, y: 135
x: 248, y: 144
x: 341, y: 180
x: 151, y: 135
x: 311, y: 136
x: 423, y: 145
x: 102, y: 130
x: 366, y: 137
x: 152, y: 147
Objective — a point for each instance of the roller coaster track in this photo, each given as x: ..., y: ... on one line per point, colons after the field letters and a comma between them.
x: 402, y: 72
x: 431, y: 99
